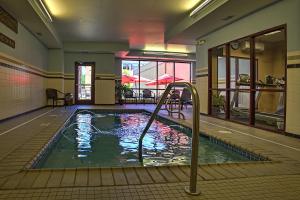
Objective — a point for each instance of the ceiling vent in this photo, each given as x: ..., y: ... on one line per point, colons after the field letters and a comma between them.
x: 228, y: 17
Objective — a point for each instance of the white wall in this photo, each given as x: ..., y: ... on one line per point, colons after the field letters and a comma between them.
x: 104, y: 62
x: 22, y: 84
x: 28, y: 48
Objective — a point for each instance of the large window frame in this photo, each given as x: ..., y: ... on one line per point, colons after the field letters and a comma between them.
x: 139, y: 89
x: 253, y: 78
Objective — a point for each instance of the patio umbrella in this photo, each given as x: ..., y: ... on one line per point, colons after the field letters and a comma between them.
x: 142, y: 79
x: 164, y: 80
x: 128, y: 79
x: 133, y: 79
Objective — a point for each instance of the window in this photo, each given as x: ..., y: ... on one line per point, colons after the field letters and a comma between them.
x: 247, y: 80
x: 270, y: 90
x: 218, y: 81
x: 148, y: 76
x: 154, y: 75
x: 164, y: 68
x: 130, y: 68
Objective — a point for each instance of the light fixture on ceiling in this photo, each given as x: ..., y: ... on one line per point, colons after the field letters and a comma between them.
x: 165, y: 53
x: 200, y: 6
x: 272, y: 33
x: 46, y: 10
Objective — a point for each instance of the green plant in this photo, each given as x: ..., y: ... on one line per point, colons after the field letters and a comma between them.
x: 121, y: 89
x: 218, y: 101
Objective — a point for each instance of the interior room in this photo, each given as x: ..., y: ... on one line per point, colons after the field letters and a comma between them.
x: 129, y: 99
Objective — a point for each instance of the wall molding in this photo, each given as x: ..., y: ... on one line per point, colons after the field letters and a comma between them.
x: 201, y: 75
x: 201, y: 72
x: 291, y: 66
x: 13, y: 67
x: 293, y: 58
x: 16, y: 61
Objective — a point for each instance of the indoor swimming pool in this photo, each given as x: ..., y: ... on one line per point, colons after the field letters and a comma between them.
x: 109, y: 138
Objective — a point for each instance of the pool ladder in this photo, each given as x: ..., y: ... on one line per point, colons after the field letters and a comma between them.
x: 192, y: 188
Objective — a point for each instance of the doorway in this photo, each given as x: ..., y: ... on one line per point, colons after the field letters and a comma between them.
x: 85, y: 83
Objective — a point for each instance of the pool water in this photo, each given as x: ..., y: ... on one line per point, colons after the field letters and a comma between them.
x: 110, y: 139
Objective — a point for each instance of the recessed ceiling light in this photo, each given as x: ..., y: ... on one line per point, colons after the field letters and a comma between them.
x: 165, y: 53
x: 201, y: 5
x: 272, y: 33
x: 46, y: 10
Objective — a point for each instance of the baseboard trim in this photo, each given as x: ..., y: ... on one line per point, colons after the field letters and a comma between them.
x: 205, y: 114
x: 292, y: 135
x: 97, y: 104
x: 18, y: 115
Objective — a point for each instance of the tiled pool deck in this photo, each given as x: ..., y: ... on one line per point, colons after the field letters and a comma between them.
x: 276, y: 179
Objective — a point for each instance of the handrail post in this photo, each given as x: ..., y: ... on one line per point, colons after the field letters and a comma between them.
x: 192, y: 188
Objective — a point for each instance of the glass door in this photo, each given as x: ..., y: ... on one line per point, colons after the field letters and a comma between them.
x: 84, y: 83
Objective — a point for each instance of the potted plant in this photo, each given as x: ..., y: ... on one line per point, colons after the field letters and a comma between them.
x: 218, y: 102
x: 121, y: 89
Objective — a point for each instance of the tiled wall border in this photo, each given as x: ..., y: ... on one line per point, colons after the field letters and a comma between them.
x: 202, y: 75
x: 293, y: 58
x: 201, y: 72
x: 2, y: 64
x: 37, y: 73
x: 293, y: 66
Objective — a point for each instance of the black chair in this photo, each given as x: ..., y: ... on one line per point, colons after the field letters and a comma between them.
x: 185, y: 98
x: 173, y: 100
x: 148, y: 94
x: 53, y: 94
x: 175, y: 95
x: 130, y: 94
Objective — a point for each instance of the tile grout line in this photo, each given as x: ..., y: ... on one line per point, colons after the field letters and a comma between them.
x: 39, y: 116
x: 242, y: 133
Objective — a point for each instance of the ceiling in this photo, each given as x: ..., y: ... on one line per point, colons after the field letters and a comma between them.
x: 225, y: 14
x: 140, y: 22
x: 143, y: 24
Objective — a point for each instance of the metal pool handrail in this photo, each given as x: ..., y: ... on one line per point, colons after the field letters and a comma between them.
x: 192, y: 188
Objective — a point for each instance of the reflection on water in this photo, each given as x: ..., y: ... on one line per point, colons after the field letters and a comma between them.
x: 115, y: 143
x: 84, y: 134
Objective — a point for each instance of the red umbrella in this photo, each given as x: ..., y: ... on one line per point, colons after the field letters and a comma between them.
x: 164, y: 80
x: 142, y: 79
x: 128, y: 79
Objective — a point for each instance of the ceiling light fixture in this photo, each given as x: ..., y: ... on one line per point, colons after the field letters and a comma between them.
x: 201, y: 5
x: 46, y: 10
x: 272, y: 33
x: 165, y: 53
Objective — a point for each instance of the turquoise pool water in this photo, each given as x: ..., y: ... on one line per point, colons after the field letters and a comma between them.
x: 110, y: 139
